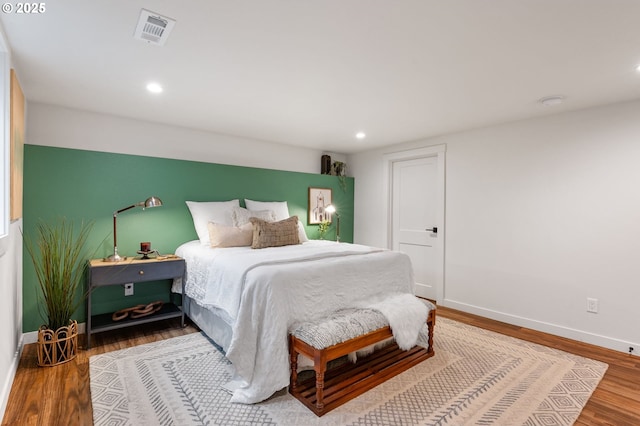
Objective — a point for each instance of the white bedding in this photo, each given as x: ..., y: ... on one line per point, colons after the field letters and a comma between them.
x: 262, y: 293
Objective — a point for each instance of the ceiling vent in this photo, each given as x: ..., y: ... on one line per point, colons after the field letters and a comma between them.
x: 153, y: 28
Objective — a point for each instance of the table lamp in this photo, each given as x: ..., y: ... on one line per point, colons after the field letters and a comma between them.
x: 149, y: 202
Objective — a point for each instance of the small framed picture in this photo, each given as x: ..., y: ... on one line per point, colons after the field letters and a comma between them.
x: 319, y: 199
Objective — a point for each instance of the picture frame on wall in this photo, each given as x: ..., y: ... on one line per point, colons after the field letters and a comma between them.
x: 319, y: 199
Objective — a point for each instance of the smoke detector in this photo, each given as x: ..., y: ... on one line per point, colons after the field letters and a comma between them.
x: 153, y: 28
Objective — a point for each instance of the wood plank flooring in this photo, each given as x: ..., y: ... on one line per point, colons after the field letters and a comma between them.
x: 60, y: 395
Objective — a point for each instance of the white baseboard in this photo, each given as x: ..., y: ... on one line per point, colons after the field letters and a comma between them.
x: 557, y: 330
x: 6, y: 386
x: 30, y: 337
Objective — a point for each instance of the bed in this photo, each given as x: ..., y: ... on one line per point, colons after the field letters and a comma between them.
x: 247, y: 300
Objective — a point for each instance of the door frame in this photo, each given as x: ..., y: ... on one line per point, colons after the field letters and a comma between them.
x: 438, y: 151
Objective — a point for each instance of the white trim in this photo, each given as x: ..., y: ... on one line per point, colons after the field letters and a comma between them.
x: 388, y: 160
x: 5, y: 139
x: 30, y: 337
x: 545, y: 327
x: 5, y: 391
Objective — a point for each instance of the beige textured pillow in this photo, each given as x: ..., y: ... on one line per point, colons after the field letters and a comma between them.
x: 230, y: 236
x: 275, y: 234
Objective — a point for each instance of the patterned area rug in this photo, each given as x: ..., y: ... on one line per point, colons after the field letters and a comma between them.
x: 476, y: 377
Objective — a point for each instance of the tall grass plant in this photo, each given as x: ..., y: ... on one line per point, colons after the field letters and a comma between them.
x: 58, y: 255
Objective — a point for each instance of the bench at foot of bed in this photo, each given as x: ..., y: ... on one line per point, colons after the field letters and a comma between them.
x: 355, y: 330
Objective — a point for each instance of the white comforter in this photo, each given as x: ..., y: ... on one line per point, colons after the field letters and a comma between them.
x: 262, y: 293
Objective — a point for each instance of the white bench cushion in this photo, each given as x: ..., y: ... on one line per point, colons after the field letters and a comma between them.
x: 339, y: 327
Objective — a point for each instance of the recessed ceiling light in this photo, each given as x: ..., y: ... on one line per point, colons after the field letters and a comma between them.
x: 360, y: 135
x: 638, y: 68
x: 552, y: 100
x: 154, y: 88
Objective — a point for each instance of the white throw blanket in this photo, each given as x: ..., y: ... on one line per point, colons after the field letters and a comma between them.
x: 406, y: 315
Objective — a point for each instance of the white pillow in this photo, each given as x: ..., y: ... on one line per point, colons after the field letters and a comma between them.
x: 280, y: 208
x: 302, y: 235
x: 230, y: 236
x: 210, y: 211
x: 241, y: 216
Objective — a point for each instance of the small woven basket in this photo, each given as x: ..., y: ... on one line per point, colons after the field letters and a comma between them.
x: 57, y: 347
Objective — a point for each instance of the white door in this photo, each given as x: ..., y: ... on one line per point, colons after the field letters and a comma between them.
x: 415, y: 199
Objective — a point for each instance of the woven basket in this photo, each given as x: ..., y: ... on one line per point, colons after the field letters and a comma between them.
x: 57, y: 347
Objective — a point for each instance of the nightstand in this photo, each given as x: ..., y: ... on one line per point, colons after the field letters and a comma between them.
x: 132, y: 270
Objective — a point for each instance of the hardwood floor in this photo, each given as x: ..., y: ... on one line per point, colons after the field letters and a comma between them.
x: 60, y: 395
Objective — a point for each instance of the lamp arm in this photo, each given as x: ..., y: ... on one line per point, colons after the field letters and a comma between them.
x: 115, y: 236
x: 125, y: 209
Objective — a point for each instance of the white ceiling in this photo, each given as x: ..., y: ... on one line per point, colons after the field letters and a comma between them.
x: 315, y: 72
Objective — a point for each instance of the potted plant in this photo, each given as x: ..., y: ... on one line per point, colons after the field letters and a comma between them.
x: 339, y: 168
x: 57, y: 255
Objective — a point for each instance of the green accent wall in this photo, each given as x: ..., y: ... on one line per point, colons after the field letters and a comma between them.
x: 90, y: 186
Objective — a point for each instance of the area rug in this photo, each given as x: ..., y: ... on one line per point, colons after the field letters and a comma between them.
x: 476, y: 377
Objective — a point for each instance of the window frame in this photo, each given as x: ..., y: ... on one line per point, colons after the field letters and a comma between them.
x: 5, y: 140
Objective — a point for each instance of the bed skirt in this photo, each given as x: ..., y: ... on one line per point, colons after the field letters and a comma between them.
x: 210, y: 323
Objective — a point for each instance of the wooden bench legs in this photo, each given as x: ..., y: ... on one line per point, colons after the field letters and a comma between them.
x: 330, y: 389
x: 319, y: 369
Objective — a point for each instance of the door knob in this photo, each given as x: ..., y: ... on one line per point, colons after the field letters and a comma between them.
x: 434, y: 229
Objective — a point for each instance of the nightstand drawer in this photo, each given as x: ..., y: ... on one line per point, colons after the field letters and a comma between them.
x: 136, y: 272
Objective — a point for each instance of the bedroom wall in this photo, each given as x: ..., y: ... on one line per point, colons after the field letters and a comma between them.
x: 52, y: 125
x: 90, y: 185
x: 540, y: 215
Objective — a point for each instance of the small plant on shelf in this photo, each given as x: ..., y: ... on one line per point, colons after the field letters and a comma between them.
x: 339, y: 169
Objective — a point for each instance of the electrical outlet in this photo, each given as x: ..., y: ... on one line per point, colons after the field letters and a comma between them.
x: 128, y: 289
x: 592, y: 305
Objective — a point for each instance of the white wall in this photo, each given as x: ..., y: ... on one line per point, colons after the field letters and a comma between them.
x: 10, y: 311
x: 69, y: 128
x: 540, y: 215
